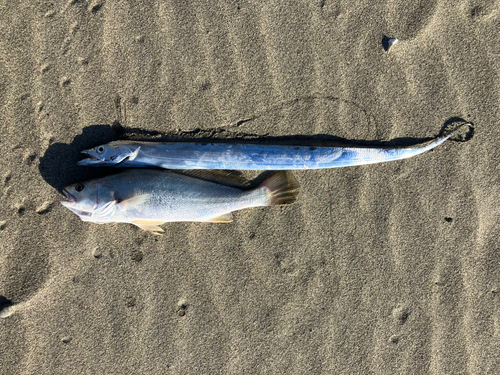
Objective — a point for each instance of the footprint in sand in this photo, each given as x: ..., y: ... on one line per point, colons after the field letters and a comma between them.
x: 45, y: 208
x: 182, y: 308
x: 401, y: 314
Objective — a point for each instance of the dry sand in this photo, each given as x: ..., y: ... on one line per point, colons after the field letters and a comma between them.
x: 385, y: 269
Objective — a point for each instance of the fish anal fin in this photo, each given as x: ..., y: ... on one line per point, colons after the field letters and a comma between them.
x: 226, y: 218
x: 149, y: 226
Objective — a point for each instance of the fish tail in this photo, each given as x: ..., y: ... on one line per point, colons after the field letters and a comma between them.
x: 282, y: 188
x: 404, y: 153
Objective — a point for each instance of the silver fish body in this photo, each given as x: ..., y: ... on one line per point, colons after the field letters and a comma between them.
x: 150, y: 197
x: 181, y: 155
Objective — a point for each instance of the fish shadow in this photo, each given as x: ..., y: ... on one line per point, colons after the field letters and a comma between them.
x: 223, y: 135
x: 58, y: 167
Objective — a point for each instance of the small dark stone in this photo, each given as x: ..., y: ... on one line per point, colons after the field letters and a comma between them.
x: 448, y: 219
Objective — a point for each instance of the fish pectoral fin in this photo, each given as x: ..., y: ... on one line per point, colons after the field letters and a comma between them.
x: 104, y: 212
x: 226, y: 218
x: 133, y: 202
x: 134, y: 154
x: 149, y: 226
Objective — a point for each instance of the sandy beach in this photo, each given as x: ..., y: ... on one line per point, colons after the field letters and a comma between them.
x: 391, y: 268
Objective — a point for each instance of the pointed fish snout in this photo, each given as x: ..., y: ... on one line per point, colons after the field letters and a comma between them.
x: 91, y: 159
x: 88, y: 152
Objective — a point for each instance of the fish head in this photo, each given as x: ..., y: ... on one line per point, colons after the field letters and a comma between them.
x: 107, y: 155
x: 90, y: 200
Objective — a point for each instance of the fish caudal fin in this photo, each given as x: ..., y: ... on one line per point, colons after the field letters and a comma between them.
x: 283, y: 188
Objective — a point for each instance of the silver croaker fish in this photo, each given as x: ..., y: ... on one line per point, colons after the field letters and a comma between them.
x: 150, y: 197
x: 191, y: 155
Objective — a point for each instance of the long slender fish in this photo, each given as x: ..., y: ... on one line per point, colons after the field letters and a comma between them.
x: 150, y: 197
x: 181, y: 155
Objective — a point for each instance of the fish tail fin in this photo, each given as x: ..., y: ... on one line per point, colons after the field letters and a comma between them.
x: 282, y: 188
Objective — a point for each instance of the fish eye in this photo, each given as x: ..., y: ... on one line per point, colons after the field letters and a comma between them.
x: 79, y: 187
x: 100, y: 149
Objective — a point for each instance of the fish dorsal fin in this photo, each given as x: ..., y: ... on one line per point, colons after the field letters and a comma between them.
x: 226, y: 218
x: 133, y: 202
x: 149, y: 226
x: 223, y: 177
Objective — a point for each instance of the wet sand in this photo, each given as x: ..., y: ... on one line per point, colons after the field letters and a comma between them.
x: 386, y: 269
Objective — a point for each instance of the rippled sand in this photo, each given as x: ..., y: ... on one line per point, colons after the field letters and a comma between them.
x: 388, y: 269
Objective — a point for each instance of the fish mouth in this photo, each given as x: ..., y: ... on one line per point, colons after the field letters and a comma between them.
x: 70, y: 198
x: 89, y: 159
